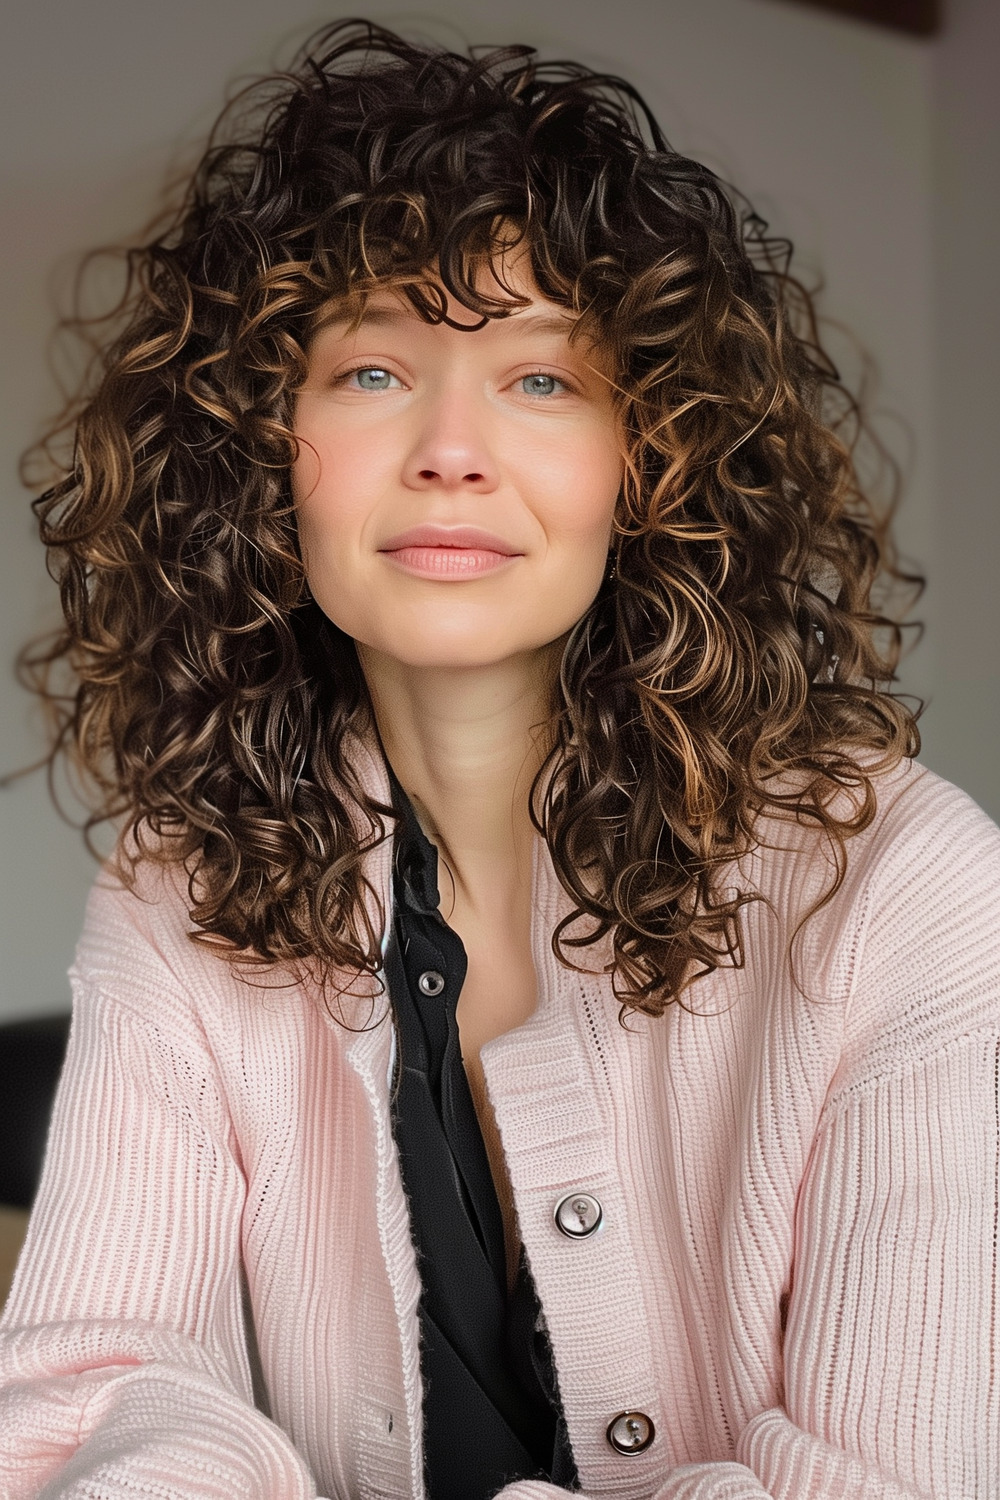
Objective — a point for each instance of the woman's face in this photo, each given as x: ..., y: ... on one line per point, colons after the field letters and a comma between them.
x: 455, y: 490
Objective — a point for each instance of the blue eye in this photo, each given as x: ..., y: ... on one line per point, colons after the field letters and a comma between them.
x: 539, y: 385
x: 372, y: 378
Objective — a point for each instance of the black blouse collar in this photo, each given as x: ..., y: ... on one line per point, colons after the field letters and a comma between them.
x: 415, y: 858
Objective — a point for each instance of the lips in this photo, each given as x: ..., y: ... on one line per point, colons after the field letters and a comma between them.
x: 449, y: 553
x: 472, y: 538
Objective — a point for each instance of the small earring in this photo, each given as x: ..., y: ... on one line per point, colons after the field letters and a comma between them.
x: 611, y: 571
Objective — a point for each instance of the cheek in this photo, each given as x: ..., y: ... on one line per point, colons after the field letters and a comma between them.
x: 583, y: 493
x: 328, y: 495
x: 316, y: 516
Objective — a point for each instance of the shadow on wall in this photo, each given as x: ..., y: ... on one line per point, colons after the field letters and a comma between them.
x: 918, y: 17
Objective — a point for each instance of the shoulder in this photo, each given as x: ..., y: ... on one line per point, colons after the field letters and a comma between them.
x: 928, y: 868
x: 928, y: 979
x: 899, y: 930
x: 912, y: 936
x: 926, y: 839
x: 917, y: 808
x: 144, y: 917
x: 137, y: 954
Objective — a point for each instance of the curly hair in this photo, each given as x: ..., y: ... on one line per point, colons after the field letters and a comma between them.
x: 733, y: 664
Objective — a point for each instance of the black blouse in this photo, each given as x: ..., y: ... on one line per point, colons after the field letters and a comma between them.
x: 492, y: 1412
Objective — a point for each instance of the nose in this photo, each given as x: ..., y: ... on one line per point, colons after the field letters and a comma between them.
x: 451, y: 451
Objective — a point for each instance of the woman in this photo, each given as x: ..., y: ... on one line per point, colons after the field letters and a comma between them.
x: 468, y: 591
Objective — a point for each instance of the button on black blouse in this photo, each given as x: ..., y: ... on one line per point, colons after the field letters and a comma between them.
x: 491, y: 1404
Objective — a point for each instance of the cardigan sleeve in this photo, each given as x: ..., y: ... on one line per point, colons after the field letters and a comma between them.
x: 123, y: 1363
x: 891, y: 1343
x: 891, y: 1349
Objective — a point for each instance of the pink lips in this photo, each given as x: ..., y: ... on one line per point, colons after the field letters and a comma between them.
x: 448, y: 552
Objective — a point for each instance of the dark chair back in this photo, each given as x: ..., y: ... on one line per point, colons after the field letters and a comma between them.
x: 31, y: 1057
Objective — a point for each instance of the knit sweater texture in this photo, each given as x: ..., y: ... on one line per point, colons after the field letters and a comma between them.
x: 795, y: 1278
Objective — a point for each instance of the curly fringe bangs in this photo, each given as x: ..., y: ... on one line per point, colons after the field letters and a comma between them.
x: 734, y: 664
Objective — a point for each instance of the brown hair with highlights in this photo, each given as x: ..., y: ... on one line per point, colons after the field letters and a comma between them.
x: 733, y: 664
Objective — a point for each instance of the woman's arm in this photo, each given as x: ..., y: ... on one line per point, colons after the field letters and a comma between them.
x: 123, y: 1366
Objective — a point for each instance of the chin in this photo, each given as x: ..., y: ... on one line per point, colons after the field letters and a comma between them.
x: 463, y: 656
x: 464, y: 651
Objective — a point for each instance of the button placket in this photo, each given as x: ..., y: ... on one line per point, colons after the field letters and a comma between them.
x: 578, y: 1216
x: 597, y: 1268
x: 545, y: 1071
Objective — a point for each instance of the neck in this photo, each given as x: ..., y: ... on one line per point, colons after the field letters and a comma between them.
x: 465, y: 744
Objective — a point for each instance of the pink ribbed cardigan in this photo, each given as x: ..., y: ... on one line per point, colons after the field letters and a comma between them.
x: 796, y: 1278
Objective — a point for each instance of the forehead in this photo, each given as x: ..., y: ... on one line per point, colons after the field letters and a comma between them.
x: 507, y: 278
x: 553, y: 331
x: 389, y: 309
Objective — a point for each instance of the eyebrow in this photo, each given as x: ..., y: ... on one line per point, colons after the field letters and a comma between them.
x: 382, y: 317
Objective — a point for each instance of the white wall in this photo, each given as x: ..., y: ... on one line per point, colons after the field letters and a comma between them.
x: 834, y: 128
x: 962, y: 738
